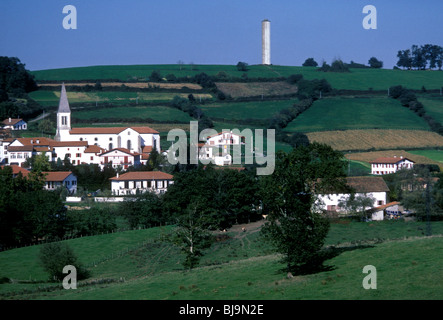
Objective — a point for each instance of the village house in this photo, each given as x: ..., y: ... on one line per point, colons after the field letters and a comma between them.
x: 20, y: 149
x: 374, y: 187
x: 131, y: 183
x: 225, y: 138
x: 61, y: 179
x: 388, y: 165
x: 119, y: 157
x: 53, y: 180
x: 14, y: 124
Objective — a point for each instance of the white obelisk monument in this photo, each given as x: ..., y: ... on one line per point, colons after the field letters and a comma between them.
x: 266, y: 42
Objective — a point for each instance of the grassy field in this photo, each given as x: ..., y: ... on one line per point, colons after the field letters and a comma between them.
x: 252, y: 89
x: 357, y: 79
x: 433, y: 154
x: 433, y: 106
x: 51, y: 98
x: 159, y: 113
x: 242, y: 267
x: 344, y: 113
x: 357, y: 140
x: 246, y: 110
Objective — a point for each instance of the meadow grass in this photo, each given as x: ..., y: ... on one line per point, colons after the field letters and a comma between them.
x: 246, y: 110
x: 342, y: 113
x: 433, y: 106
x: 242, y: 266
x: 433, y: 154
x: 159, y: 113
x: 357, y: 79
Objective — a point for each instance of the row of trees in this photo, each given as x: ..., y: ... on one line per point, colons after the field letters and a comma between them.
x: 409, y: 99
x: 340, y: 66
x: 421, y: 57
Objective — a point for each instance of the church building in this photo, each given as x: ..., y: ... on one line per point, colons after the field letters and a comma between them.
x: 134, y: 139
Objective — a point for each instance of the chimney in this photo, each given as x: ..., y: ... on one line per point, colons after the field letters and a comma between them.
x: 117, y: 174
x: 10, y: 120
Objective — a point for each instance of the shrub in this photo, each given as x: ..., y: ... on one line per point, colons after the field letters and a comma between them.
x: 55, y: 256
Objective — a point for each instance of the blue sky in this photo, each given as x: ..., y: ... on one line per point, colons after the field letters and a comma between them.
x: 116, y: 32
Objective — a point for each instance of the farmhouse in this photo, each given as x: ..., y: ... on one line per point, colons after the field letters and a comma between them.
x: 374, y: 187
x: 132, y: 183
x: 20, y: 149
x: 135, y: 139
x: 60, y: 179
x: 119, y: 157
x: 388, y: 165
x: 14, y: 124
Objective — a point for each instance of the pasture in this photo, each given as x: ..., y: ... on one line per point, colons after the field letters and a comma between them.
x: 262, y: 110
x: 346, y: 113
x: 133, y: 265
x: 357, y: 79
x: 133, y: 113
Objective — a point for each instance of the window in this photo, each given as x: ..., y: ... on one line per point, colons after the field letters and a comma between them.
x: 160, y: 184
x: 78, y: 155
x: 129, y: 145
x: 95, y: 139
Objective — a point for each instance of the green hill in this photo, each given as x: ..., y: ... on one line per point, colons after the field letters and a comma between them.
x: 356, y: 79
x: 133, y: 265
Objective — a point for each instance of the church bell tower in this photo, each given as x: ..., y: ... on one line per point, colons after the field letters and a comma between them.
x: 63, y: 117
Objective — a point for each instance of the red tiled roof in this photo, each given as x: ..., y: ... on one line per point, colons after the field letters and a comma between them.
x: 69, y: 143
x: 143, y: 130
x: 143, y: 175
x: 94, y: 149
x: 124, y: 150
x: 17, y: 169
x: 147, y: 149
x: 39, y: 141
x: 28, y: 148
x: 12, y: 122
x: 56, y: 175
x: 97, y: 130
x: 390, y: 160
x: 110, y: 130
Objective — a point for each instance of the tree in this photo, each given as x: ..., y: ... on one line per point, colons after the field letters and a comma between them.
x: 357, y: 205
x: 310, y: 62
x: 242, y: 66
x: 155, y: 76
x: 295, y: 227
x: 191, y: 237
x: 55, y: 256
x: 375, y: 63
x: 144, y: 211
x: 404, y: 59
x: 46, y: 126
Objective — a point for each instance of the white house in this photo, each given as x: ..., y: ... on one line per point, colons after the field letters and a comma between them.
x: 374, y: 187
x: 61, y: 179
x: 91, y: 155
x: 73, y: 150
x: 14, y: 124
x: 132, y: 138
x: 134, y: 182
x: 388, y: 165
x: 224, y: 138
x: 119, y: 157
x: 20, y: 149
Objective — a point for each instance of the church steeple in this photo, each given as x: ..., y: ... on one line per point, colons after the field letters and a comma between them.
x: 63, y: 117
x: 63, y: 105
